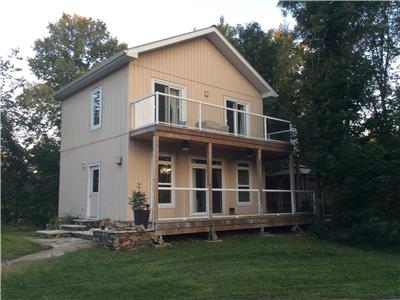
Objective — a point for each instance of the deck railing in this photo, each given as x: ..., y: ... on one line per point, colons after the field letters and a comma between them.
x: 160, y: 108
x: 192, y: 203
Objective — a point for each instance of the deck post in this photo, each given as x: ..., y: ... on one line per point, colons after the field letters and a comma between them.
x: 212, y: 236
x: 292, y: 183
x: 260, y: 183
x: 259, y: 178
x: 154, y: 178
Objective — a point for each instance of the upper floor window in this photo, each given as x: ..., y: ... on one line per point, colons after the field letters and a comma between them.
x: 236, y: 120
x: 170, y: 109
x: 96, y: 99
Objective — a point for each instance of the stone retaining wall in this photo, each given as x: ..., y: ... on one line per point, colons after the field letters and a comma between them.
x: 124, y: 239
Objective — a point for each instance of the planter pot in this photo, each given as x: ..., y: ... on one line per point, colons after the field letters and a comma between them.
x: 141, y: 217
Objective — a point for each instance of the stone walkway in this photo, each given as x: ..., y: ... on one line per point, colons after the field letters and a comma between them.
x: 60, y: 246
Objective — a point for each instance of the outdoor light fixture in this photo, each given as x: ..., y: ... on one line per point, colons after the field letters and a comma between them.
x: 185, y: 146
x: 118, y: 160
x: 206, y: 93
x: 249, y: 153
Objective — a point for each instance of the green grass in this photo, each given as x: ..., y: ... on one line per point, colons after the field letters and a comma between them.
x: 245, y: 266
x: 15, y: 244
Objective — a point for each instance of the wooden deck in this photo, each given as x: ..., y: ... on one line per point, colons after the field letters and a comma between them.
x: 231, y: 223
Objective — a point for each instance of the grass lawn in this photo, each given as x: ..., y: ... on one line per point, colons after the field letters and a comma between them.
x: 243, y: 266
x: 15, y: 244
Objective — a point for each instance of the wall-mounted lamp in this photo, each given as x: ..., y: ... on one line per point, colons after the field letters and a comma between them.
x: 83, y: 165
x: 249, y: 153
x: 185, y: 146
x: 206, y: 93
x: 118, y: 160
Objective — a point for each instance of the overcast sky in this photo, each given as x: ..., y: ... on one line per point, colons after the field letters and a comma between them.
x: 132, y: 22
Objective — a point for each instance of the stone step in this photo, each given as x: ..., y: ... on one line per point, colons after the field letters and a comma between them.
x: 73, y: 227
x: 90, y: 223
x: 86, y: 234
x: 53, y: 234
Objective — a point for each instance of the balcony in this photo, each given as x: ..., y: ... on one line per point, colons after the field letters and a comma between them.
x: 165, y: 109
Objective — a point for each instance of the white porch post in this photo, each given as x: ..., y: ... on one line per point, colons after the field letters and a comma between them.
x: 209, y: 179
x: 260, y: 180
x: 154, y: 178
x: 292, y: 183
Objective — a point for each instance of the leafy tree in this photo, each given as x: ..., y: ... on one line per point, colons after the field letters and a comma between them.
x: 14, y: 167
x: 345, y: 72
x: 74, y: 45
x: 30, y: 132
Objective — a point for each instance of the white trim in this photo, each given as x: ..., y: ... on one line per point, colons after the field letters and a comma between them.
x: 183, y: 88
x: 223, y: 45
x: 98, y: 126
x: 249, y: 168
x: 88, y: 187
x: 204, y: 166
x: 247, y: 114
x: 124, y: 57
x: 172, y: 163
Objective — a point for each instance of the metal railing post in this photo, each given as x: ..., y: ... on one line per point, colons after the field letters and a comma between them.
x: 200, y: 116
x: 265, y: 129
x: 156, y: 105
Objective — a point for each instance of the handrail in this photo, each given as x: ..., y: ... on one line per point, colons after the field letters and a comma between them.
x: 154, y: 100
x: 208, y: 104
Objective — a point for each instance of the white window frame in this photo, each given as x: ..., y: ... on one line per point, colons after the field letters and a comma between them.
x: 172, y: 163
x: 97, y: 126
x: 247, y: 116
x: 248, y: 168
x: 204, y: 166
x: 183, y: 88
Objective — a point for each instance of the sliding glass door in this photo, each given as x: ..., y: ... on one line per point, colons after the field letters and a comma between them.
x: 236, y: 120
x: 170, y: 109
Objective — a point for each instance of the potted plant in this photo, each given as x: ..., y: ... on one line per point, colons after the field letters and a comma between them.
x: 140, y: 207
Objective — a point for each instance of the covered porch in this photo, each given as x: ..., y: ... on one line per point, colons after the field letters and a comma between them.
x: 206, y: 183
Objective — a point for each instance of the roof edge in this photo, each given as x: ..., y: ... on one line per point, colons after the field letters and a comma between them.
x: 110, y: 65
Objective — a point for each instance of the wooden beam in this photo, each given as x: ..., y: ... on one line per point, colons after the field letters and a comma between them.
x: 154, y: 177
x: 175, y: 133
x: 292, y: 183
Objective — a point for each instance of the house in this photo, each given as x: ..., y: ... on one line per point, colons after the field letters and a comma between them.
x: 183, y: 117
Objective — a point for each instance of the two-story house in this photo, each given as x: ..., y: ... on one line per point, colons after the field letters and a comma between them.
x: 184, y: 118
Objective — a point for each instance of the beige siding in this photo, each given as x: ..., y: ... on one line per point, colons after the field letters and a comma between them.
x: 80, y: 147
x: 141, y: 156
x: 197, y: 66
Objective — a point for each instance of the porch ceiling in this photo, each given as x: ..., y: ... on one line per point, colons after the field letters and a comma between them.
x: 271, y: 149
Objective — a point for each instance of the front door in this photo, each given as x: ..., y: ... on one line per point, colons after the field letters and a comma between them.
x: 93, y: 192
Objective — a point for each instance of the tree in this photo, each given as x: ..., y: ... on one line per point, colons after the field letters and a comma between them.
x: 74, y: 45
x: 30, y: 132
x: 345, y: 72
x: 14, y: 168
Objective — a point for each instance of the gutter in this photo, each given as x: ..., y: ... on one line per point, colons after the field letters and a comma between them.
x: 112, y: 64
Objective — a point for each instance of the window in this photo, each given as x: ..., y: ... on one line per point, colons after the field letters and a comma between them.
x: 96, y: 104
x: 165, y: 179
x: 236, y: 120
x: 243, y: 182
x: 95, y: 180
x: 170, y: 109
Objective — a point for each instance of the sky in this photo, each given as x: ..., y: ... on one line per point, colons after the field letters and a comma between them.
x: 132, y: 22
